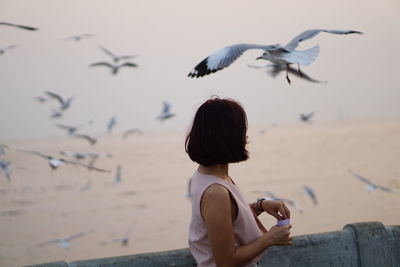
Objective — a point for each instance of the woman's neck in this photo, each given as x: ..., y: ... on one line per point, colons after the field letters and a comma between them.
x: 219, y: 170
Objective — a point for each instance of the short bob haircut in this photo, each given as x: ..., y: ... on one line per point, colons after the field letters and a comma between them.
x: 218, y: 134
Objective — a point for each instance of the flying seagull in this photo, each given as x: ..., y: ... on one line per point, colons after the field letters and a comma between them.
x: 274, y: 70
x: 306, y: 117
x: 55, y: 163
x: 29, y: 28
x: 79, y: 37
x: 70, y: 129
x: 277, y: 54
x: 288, y: 201
x: 114, y: 57
x: 3, y: 149
x: 5, y: 167
x: 131, y: 131
x: 111, y: 124
x: 64, y: 103
x: 90, y: 139
x: 3, y: 50
x: 63, y: 242
x: 310, y: 192
x: 369, y: 185
x: 115, y: 67
x: 166, y: 113
x: 118, y: 177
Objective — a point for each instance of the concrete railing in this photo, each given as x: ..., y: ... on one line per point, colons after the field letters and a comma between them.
x: 369, y: 244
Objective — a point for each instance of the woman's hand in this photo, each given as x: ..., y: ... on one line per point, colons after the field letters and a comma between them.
x: 276, y: 208
x: 279, y: 235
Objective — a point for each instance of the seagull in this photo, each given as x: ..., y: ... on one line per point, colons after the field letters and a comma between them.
x: 63, y: 242
x: 91, y: 140
x: 3, y: 50
x: 310, y: 192
x: 29, y: 28
x: 114, y: 68
x: 288, y: 201
x: 277, y: 54
x: 70, y: 129
x: 117, y: 178
x: 79, y: 37
x: 64, y: 104
x: 5, y: 167
x: 55, y: 163
x: 40, y: 99
x: 111, y: 124
x: 3, y: 149
x: 370, y: 186
x: 166, y: 113
x: 131, y: 131
x: 306, y: 117
x: 114, y: 57
x: 87, y: 186
x: 274, y: 69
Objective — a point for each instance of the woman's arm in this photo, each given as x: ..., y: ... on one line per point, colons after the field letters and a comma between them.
x: 216, y: 212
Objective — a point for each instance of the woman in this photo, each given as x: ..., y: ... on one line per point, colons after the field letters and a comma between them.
x: 224, y: 229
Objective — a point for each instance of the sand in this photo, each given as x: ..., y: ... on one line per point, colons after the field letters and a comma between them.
x: 150, y: 206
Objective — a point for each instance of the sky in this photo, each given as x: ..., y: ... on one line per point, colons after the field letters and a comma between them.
x: 171, y: 37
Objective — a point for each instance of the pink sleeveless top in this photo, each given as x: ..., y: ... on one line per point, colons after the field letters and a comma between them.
x: 245, y: 226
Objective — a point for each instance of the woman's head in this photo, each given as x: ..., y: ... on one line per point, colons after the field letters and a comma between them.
x: 218, y: 134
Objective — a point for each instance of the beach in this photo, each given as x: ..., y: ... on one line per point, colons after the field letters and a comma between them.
x: 150, y: 204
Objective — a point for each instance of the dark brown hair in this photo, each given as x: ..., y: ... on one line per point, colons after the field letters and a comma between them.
x: 218, y: 134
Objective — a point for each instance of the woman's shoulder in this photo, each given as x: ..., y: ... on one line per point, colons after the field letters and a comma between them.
x: 216, y: 192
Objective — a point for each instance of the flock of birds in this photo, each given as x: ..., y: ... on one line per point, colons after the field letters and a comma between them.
x: 281, y: 57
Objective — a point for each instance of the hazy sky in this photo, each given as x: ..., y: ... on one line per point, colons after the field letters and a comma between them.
x: 170, y: 38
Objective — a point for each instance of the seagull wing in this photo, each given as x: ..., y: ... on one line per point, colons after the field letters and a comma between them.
x: 49, y: 242
x: 311, y: 33
x: 129, y: 64
x: 102, y: 64
x: 222, y: 59
x: 75, y: 236
x: 40, y: 154
x: 56, y: 96
x: 302, y: 75
x: 301, y: 57
x: 361, y: 178
x: 108, y: 52
x: 10, y: 47
x: 126, y: 57
x: 29, y: 28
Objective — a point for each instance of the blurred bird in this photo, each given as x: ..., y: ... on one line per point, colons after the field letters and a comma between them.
x: 114, y: 57
x: 63, y: 242
x: 55, y: 163
x: 3, y: 50
x: 29, y: 28
x: 274, y: 70
x: 40, y: 99
x: 87, y: 186
x: 288, y: 201
x: 3, y: 149
x: 310, y: 192
x: 114, y: 68
x: 306, y: 117
x: 5, y: 168
x: 370, y: 187
x: 90, y: 139
x: 111, y: 124
x: 64, y: 104
x: 277, y: 54
x: 131, y: 131
x: 166, y: 113
x: 79, y: 37
x: 70, y: 129
x: 118, y: 177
